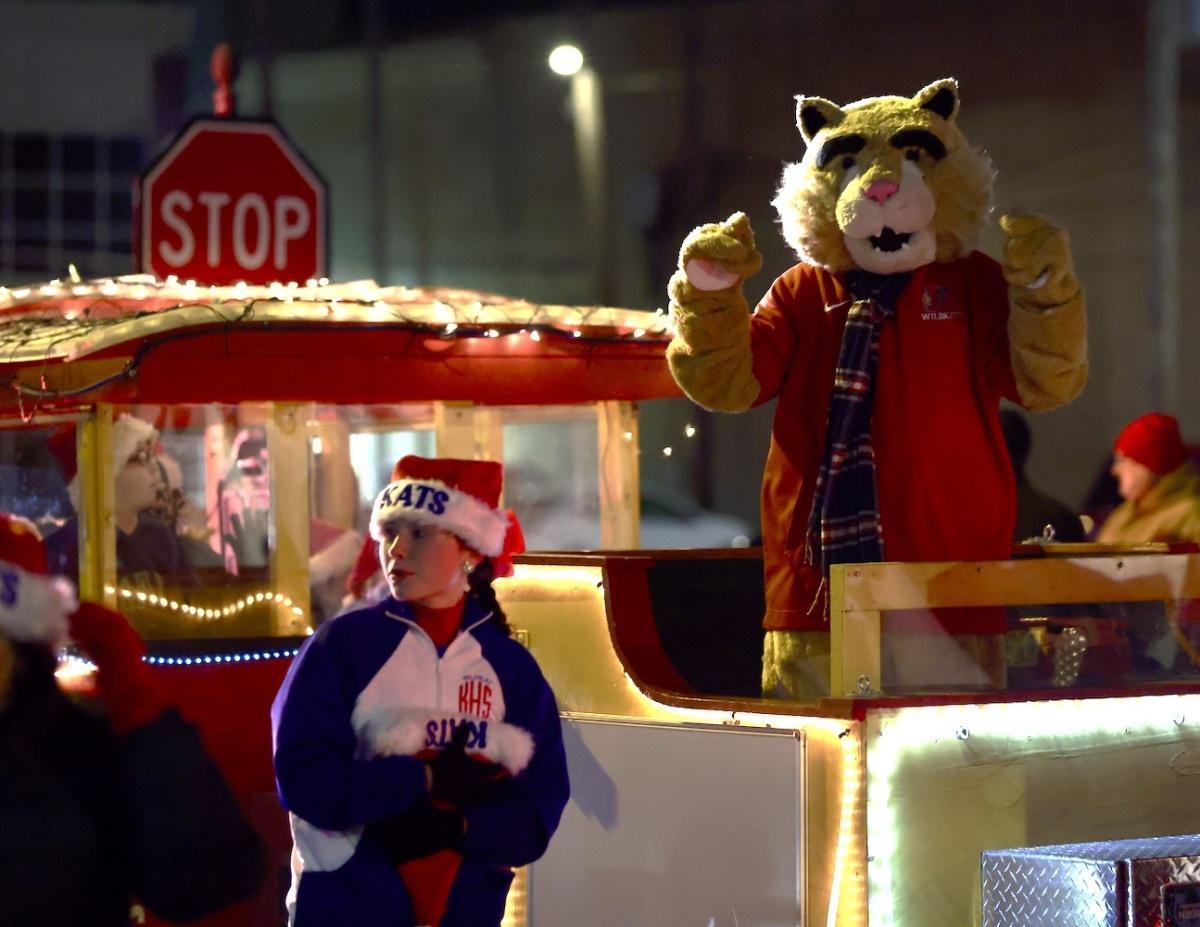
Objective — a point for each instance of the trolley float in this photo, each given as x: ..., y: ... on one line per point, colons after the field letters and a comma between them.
x: 694, y: 802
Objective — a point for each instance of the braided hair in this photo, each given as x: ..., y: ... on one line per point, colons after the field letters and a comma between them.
x: 480, y: 582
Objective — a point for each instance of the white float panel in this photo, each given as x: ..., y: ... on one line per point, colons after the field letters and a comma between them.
x: 676, y: 826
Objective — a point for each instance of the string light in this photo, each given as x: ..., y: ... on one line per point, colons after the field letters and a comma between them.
x: 245, y: 656
x: 668, y: 451
x: 71, y: 666
x: 689, y: 430
x: 38, y: 329
x: 207, y: 613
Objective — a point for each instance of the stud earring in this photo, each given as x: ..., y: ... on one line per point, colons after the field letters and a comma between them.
x: 468, y: 566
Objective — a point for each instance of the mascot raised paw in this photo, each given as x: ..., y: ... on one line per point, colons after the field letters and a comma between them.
x: 889, y: 347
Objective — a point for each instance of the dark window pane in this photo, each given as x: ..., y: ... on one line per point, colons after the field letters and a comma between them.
x: 120, y: 235
x: 108, y: 264
x: 33, y: 230
x: 32, y: 204
x: 79, y: 154
x: 79, y: 235
x: 31, y: 152
x: 125, y: 155
x: 31, y: 257
x: 120, y: 206
x: 78, y: 205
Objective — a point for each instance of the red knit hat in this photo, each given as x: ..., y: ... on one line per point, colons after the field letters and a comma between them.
x: 33, y: 606
x: 1153, y: 441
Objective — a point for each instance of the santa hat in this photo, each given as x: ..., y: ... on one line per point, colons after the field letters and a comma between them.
x: 61, y: 445
x: 331, y: 550
x: 1152, y: 440
x: 459, y: 496
x: 128, y: 434
x: 33, y: 606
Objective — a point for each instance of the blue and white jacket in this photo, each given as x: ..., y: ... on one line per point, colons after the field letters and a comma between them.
x: 369, y: 693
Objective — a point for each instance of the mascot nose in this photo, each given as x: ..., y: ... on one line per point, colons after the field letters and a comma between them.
x: 880, y: 190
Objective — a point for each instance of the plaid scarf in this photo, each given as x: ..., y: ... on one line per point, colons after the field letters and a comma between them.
x: 843, y: 526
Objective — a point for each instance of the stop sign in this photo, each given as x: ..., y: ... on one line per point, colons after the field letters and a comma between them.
x: 232, y: 200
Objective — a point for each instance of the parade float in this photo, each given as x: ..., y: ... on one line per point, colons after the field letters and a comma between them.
x: 277, y: 403
x: 693, y: 801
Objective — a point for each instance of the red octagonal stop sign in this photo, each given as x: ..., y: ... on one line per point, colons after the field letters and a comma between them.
x: 232, y: 200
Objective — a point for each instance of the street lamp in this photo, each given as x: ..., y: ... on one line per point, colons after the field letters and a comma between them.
x: 587, y: 114
x: 566, y: 60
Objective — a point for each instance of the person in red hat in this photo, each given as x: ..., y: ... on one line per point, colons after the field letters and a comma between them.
x: 418, y: 748
x: 1159, y: 485
x: 99, y: 809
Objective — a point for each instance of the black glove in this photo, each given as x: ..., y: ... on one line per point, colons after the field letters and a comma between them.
x: 460, y: 780
x: 423, y: 829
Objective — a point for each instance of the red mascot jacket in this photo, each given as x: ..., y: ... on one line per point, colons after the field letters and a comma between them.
x: 945, y: 484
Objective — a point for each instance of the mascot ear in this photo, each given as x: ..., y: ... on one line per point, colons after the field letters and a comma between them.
x: 813, y: 114
x: 940, y: 97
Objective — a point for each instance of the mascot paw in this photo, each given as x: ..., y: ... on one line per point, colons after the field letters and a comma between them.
x: 1037, y: 259
x: 717, y: 255
x: 709, y: 275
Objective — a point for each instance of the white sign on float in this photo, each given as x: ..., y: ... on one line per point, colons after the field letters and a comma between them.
x: 258, y: 229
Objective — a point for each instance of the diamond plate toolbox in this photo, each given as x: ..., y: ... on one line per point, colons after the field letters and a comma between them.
x: 1114, y: 883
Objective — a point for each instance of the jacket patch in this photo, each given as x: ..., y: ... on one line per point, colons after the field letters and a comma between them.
x: 937, y: 306
x: 414, y: 731
x: 475, y: 696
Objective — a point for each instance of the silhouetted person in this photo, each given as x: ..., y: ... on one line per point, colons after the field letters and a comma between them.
x: 105, y: 802
x: 1035, y: 509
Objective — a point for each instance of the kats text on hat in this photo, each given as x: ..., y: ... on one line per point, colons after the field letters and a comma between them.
x: 459, y: 496
x: 33, y: 606
x: 1152, y: 440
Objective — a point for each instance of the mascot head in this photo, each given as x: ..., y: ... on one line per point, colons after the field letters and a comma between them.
x: 887, y: 184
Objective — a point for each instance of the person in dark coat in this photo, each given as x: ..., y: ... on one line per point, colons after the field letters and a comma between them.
x: 108, y: 801
x: 1036, y: 510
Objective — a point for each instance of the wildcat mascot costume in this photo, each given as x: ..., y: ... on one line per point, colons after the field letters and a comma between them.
x: 889, y: 347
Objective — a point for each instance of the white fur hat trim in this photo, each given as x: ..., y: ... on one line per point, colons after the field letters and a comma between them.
x: 34, y: 608
x: 432, y: 502
x: 128, y: 433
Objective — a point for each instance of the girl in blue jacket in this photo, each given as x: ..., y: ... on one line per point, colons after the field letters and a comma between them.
x: 418, y: 748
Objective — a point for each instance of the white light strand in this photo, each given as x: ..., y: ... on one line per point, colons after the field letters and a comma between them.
x: 47, y: 330
x: 227, y: 610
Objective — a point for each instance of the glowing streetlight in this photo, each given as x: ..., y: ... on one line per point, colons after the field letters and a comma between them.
x: 587, y: 114
x: 566, y: 60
